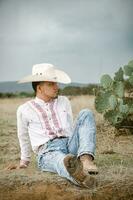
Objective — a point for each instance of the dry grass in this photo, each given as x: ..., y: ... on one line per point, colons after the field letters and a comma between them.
x: 114, y: 155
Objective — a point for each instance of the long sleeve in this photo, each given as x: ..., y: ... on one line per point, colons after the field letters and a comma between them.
x: 69, y: 111
x: 22, y: 130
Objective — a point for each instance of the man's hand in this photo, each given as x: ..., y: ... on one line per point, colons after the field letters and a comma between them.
x: 23, y: 164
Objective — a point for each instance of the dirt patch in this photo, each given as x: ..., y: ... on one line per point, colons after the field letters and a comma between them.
x: 55, y: 191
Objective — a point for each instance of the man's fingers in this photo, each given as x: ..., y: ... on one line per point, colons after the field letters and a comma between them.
x: 11, y: 167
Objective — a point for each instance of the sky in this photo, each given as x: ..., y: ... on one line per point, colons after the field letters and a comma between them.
x: 85, y: 38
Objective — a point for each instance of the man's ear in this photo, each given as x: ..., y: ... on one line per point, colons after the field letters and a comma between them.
x: 39, y: 89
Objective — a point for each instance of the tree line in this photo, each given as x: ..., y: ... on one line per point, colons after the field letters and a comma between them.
x: 90, y: 89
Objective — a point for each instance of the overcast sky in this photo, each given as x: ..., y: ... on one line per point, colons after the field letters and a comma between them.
x: 85, y: 38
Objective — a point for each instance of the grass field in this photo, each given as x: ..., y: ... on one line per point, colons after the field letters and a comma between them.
x: 114, y: 158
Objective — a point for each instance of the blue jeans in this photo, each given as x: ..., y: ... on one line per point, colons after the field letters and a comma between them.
x: 82, y: 141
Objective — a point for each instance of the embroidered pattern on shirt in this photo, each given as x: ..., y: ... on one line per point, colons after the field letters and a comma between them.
x: 55, y: 119
x: 51, y: 131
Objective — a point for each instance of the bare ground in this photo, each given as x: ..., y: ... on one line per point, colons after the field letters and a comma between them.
x: 114, y: 157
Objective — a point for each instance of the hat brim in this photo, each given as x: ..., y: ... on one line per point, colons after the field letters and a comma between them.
x: 59, y: 76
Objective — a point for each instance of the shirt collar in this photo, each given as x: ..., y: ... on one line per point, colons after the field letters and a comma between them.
x: 42, y: 102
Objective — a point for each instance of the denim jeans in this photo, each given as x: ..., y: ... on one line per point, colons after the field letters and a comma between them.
x: 82, y: 141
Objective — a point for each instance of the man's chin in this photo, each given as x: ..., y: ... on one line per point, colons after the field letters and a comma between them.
x: 55, y: 96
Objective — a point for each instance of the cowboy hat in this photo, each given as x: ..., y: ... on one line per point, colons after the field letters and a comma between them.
x: 46, y: 72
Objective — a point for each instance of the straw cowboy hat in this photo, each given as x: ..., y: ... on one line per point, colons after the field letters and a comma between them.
x: 46, y: 72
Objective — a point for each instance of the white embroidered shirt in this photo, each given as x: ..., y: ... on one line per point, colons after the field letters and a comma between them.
x: 39, y: 121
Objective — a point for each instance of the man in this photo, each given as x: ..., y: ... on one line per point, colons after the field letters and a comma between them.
x: 47, y: 123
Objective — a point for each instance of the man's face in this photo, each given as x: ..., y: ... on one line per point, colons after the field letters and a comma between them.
x: 49, y: 89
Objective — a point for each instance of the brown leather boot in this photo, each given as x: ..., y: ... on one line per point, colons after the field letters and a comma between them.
x: 75, y: 168
x: 88, y: 164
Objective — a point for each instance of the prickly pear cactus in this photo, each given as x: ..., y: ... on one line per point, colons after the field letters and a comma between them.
x: 112, y: 99
x: 106, y: 81
x: 128, y: 70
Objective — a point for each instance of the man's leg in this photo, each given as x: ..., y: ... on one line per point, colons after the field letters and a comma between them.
x: 83, y: 141
x: 53, y: 161
x: 56, y: 162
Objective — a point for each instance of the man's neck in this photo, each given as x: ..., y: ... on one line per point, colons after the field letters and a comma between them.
x: 45, y: 99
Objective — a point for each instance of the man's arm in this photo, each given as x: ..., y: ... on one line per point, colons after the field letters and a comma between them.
x: 22, y: 130
x: 69, y: 110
